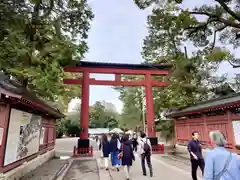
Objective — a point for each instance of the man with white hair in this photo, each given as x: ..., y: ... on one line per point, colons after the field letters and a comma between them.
x: 220, y: 163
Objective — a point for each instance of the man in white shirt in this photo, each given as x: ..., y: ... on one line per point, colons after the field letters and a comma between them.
x: 146, y: 152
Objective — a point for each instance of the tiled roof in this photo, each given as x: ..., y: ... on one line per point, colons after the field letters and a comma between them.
x: 125, y: 66
x: 222, y: 101
x: 13, y: 89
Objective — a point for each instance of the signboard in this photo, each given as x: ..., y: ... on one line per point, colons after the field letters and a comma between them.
x: 42, y: 135
x: 23, y: 136
x: 1, y: 135
x: 236, y: 130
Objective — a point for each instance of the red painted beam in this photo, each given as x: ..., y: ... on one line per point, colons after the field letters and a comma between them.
x: 116, y: 71
x: 117, y: 83
x: 72, y: 81
x: 159, y: 83
x: 117, y: 77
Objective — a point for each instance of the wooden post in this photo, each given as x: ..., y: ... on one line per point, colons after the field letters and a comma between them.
x: 5, y: 110
x: 206, y: 129
x: 84, y: 106
x: 150, y: 109
x: 231, y: 136
x: 175, y: 130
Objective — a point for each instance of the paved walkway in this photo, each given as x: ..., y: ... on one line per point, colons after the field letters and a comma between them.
x: 83, y: 170
x: 46, y: 171
x: 161, y: 169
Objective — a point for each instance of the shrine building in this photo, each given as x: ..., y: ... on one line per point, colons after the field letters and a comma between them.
x: 27, y: 130
x: 217, y: 114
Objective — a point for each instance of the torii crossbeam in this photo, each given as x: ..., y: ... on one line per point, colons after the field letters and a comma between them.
x: 148, y: 70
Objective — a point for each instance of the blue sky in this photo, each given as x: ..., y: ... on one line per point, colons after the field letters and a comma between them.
x: 116, y: 35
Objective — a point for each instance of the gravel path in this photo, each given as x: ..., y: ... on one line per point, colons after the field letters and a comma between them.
x: 46, y: 171
x: 83, y: 170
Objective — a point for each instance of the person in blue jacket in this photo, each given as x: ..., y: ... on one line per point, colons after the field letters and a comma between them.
x: 114, y: 151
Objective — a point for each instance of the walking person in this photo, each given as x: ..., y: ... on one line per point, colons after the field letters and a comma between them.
x: 127, y: 155
x: 220, y: 163
x: 195, y: 151
x: 134, y: 142
x: 146, y: 152
x: 99, y: 142
x: 105, y: 150
x: 114, y: 151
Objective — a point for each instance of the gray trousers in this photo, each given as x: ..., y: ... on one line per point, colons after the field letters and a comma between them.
x: 146, y: 157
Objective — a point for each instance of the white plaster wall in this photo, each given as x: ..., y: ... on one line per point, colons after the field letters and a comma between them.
x: 18, y: 172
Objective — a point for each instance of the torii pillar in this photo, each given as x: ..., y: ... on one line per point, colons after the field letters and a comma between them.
x: 84, y: 115
x: 149, y: 107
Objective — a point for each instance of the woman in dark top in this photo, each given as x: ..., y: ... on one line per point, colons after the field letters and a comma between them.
x: 114, y: 151
x: 127, y: 155
x: 105, y: 149
x: 134, y: 142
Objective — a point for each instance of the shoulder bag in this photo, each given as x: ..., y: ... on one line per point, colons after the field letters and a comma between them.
x: 218, y: 177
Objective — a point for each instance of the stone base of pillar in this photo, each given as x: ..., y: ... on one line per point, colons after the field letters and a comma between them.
x: 153, y: 140
x: 83, y: 146
x: 156, y: 148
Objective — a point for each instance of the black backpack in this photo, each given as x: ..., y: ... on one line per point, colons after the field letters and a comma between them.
x: 146, y: 147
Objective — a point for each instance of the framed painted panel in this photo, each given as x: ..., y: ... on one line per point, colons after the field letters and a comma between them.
x: 1, y: 135
x: 236, y: 131
x: 42, y: 135
x: 23, y: 136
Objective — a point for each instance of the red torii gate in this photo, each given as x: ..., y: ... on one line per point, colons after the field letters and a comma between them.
x: 147, y: 70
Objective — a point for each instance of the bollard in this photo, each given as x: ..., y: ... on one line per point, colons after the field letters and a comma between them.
x: 91, y: 152
x: 74, y: 151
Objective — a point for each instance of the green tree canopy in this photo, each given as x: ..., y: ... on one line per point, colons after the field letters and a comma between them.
x: 132, y: 114
x: 102, y: 117
x: 192, y: 78
x: 213, y: 27
x: 38, y: 38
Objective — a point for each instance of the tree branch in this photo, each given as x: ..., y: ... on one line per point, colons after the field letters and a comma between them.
x: 35, y: 14
x: 233, y: 65
x: 173, y: 41
x: 49, y: 10
x: 228, y: 10
x: 216, y: 18
x: 185, y: 52
x: 215, y: 34
x: 199, y: 27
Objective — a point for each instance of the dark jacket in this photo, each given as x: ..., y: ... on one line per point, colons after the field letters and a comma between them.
x: 114, y: 145
x: 134, y: 142
x: 195, y: 147
x: 105, y: 148
x: 128, y: 155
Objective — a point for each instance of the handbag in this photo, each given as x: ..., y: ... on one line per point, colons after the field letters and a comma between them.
x: 120, y: 155
x: 218, y: 177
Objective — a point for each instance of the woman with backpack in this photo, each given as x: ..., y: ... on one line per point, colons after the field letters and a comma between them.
x: 146, y: 152
x: 127, y: 155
